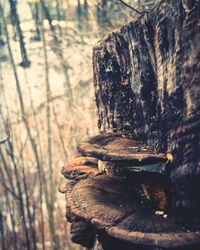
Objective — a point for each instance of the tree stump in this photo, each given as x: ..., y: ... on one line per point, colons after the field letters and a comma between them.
x: 146, y: 78
x: 146, y: 158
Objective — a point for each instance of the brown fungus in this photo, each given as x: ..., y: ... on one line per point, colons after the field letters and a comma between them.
x: 110, y: 204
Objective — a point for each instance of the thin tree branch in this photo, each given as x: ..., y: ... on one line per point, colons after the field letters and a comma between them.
x: 7, y: 138
x: 127, y: 5
x: 3, y: 183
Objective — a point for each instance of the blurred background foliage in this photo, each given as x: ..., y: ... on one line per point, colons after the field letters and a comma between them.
x: 47, y: 107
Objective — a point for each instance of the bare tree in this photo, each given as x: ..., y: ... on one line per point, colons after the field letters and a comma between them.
x: 49, y: 193
x: 13, y: 9
x: 29, y: 134
x: 2, y: 237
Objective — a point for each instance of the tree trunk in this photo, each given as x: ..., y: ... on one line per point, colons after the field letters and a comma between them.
x: 1, y: 35
x: 36, y: 18
x: 2, y: 232
x: 47, y: 15
x: 146, y: 78
x: 13, y: 9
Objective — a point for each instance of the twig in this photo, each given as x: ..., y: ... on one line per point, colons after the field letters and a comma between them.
x: 127, y: 5
x: 7, y: 138
x: 3, y: 183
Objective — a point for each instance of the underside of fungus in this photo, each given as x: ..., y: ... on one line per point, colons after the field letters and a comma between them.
x: 110, y: 204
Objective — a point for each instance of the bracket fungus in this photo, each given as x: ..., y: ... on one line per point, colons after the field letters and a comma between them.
x: 117, y: 147
x: 141, y: 192
x: 109, y: 203
x: 80, y: 168
x: 131, y: 159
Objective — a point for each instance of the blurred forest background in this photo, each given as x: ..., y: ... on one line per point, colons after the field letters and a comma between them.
x: 46, y: 108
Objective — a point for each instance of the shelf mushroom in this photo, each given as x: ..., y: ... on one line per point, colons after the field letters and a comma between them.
x: 131, y: 159
x: 118, y: 147
x: 80, y: 168
x: 109, y: 208
x: 118, y: 153
x: 111, y: 192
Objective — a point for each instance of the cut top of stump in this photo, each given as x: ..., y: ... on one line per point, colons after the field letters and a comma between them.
x: 116, y: 147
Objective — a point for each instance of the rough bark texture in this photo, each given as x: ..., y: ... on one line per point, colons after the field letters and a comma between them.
x: 146, y: 79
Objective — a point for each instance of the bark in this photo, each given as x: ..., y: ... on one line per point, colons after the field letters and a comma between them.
x: 146, y: 78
